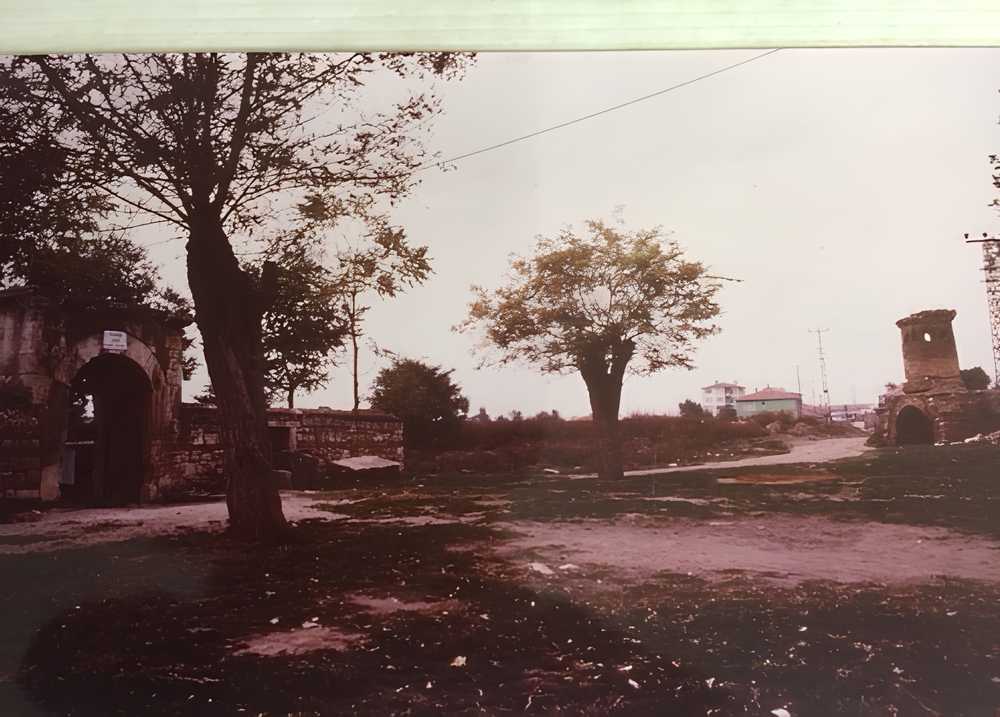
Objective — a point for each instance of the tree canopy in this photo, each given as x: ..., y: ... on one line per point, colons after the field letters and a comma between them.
x: 424, y: 397
x: 975, y: 379
x: 303, y: 325
x: 612, y: 295
x: 384, y: 266
x: 691, y: 409
x: 602, y: 303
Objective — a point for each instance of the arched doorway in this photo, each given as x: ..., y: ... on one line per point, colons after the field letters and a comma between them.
x: 106, y: 456
x: 913, y: 427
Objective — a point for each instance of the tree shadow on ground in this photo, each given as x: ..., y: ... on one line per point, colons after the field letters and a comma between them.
x: 154, y: 626
x: 168, y: 652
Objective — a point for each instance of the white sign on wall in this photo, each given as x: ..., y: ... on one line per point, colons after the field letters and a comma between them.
x: 114, y: 342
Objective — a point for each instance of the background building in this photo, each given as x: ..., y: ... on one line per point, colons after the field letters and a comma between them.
x: 769, y: 400
x: 719, y: 395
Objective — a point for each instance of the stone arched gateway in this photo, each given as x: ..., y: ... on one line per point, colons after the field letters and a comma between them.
x: 133, y: 413
x: 130, y: 362
x: 143, y: 443
x: 913, y: 427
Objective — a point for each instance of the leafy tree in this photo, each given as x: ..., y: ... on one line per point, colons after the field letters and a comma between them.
x: 691, y: 409
x: 217, y: 146
x: 552, y: 416
x: 600, y: 304
x: 39, y: 203
x: 429, y: 403
x: 384, y: 268
x: 189, y: 364
x: 975, y: 379
x: 207, y: 396
x: 93, y: 272
x: 303, y: 326
x: 727, y: 413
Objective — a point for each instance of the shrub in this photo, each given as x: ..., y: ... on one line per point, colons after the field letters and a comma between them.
x: 510, y: 445
x: 14, y: 395
x: 975, y: 379
x: 784, y: 419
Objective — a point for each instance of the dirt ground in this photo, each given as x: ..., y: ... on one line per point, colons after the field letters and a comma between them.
x: 801, y: 450
x: 867, y: 586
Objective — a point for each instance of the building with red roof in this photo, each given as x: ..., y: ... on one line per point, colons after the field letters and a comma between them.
x: 769, y: 400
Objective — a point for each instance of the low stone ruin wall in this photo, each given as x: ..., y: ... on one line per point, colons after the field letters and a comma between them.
x: 195, y: 463
x: 332, y: 435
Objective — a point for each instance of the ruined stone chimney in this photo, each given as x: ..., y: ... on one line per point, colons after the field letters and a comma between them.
x: 930, y: 359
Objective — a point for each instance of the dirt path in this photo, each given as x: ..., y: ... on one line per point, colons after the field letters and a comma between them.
x: 780, y: 549
x: 831, y: 449
x: 60, y: 529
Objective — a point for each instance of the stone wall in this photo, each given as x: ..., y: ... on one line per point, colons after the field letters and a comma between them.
x: 954, y: 416
x: 332, y: 435
x: 195, y: 462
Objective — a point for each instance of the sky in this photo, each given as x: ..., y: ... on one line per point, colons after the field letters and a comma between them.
x: 835, y: 184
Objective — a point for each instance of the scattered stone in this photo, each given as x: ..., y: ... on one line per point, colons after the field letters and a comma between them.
x: 297, y: 642
x: 367, y: 463
x: 541, y: 568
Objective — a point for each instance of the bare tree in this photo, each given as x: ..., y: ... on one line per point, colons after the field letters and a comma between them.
x: 384, y: 268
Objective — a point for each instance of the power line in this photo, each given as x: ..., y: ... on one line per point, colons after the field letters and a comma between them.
x: 578, y: 120
x: 604, y: 111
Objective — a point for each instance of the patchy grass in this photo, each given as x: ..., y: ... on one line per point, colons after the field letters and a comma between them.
x: 162, y: 625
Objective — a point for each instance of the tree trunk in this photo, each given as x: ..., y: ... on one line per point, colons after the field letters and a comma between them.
x: 228, y: 310
x: 605, y: 399
x: 291, y: 398
x: 604, y: 386
x: 354, y: 346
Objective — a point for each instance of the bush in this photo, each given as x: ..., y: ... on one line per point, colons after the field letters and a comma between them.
x: 975, y: 379
x: 785, y: 420
x: 14, y: 395
x: 499, y: 446
x: 727, y: 413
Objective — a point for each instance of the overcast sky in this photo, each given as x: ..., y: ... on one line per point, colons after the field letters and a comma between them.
x: 836, y: 184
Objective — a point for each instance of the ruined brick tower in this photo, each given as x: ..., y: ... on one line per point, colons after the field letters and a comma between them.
x: 934, y: 405
x: 930, y: 358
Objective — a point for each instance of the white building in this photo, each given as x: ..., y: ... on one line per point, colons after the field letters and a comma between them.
x: 719, y: 395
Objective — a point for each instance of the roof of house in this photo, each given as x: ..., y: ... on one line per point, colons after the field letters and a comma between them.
x: 718, y: 384
x: 770, y: 394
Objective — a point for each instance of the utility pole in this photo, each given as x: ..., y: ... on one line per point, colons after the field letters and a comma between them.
x: 991, y: 272
x: 798, y: 379
x: 822, y: 372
